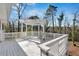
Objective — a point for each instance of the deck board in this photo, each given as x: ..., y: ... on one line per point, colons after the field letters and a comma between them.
x: 11, y: 48
x: 22, y: 48
x: 30, y: 48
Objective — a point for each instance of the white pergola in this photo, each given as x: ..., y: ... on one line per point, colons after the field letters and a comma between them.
x: 33, y: 22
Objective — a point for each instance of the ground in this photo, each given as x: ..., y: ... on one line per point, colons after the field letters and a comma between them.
x: 73, y: 50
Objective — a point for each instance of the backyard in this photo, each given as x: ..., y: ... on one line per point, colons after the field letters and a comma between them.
x: 39, y: 29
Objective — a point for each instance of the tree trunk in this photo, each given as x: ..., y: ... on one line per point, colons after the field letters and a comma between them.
x: 13, y: 29
x: 64, y: 29
x: 73, y: 32
x: 18, y: 26
x: 53, y: 22
x: 59, y: 26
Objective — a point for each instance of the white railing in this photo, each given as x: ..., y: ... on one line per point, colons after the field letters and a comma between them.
x: 53, y: 43
x: 11, y: 36
x: 15, y: 35
x: 56, y: 46
x: 2, y: 35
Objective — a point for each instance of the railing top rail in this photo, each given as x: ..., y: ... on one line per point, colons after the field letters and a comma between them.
x: 54, y: 40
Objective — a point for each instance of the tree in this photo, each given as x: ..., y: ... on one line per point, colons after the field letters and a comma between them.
x: 60, y: 21
x: 19, y: 8
x: 10, y: 27
x: 74, y: 27
x: 50, y: 12
x: 18, y: 26
x: 65, y: 27
x: 34, y: 17
x: 13, y: 28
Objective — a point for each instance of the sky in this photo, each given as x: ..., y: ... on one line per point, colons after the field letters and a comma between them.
x: 39, y: 9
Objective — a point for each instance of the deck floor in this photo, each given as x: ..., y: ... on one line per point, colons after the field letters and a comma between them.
x: 22, y: 48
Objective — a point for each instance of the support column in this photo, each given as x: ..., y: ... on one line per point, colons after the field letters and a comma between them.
x: 21, y: 27
x: 32, y: 30
x: 43, y: 29
x: 22, y: 35
x: 26, y: 29
x: 43, y: 32
x: 1, y: 25
x: 38, y: 30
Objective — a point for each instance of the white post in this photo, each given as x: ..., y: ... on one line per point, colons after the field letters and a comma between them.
x: 32, y: 30
x: 21, y: 30
x: 21, y: 27
x: 26, y: 29
x: 38, y: 30
x: 43, y: 32
x: 43, y: 29
x: 1, y: 24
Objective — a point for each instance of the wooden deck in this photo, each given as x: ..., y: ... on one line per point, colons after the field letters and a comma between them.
x: 11, y: 48
x: 22, y: 48
x: 29, y: 46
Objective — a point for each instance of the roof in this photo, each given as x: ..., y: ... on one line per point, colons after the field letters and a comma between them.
x: 34, y: 22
